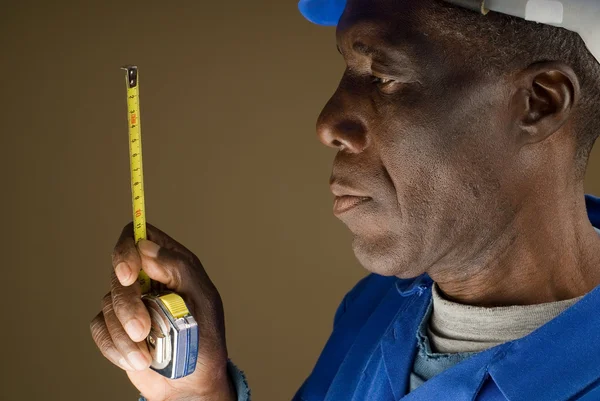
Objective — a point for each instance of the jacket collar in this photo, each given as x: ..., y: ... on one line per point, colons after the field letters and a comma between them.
x: 593, y: 208
x: 417, y: 286
x: 565, y: 349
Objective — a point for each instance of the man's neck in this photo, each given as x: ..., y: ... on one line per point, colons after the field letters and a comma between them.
x: 549, y: 253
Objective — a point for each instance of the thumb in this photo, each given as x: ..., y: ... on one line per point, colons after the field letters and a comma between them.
x: 162, y: 265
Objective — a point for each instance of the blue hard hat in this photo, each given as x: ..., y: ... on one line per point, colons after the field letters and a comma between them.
x: 322, y: 12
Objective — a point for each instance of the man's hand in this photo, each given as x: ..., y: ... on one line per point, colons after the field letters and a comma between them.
x: 122, y: 326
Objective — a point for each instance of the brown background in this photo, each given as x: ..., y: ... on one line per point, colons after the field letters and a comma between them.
x: 230, y: 91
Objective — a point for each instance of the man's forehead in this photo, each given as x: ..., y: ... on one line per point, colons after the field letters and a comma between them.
x: 385, y: 26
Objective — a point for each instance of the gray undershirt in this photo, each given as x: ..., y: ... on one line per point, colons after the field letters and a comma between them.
x: 456, y: 327
x: 452, y: 332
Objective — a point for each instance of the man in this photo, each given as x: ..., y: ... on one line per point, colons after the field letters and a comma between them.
x: 463, y: 142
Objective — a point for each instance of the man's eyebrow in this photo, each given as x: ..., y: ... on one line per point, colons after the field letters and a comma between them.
x: 367, y: 50
x: 386, y: 57
x: 363, y: 49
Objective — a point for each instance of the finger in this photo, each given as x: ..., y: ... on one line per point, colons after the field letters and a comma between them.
x: 126, y: 259
x: 178, y: 272
x: 162, y: 265
x: 136, y: 354
x: 105, y: 344
x: 129, y: 309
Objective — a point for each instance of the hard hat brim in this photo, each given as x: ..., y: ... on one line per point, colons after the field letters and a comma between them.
x: 322, y: 12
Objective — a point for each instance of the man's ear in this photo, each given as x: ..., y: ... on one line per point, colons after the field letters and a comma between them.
x: 546, y: 96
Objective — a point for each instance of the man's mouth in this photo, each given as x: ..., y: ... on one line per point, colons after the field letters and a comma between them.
x: 346, y: 198
x: 343, y: 204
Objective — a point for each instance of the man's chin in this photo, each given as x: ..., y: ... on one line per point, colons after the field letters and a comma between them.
x: 385, y: 257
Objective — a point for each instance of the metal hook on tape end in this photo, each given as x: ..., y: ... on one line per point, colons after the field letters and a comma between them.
x: 132, y: 75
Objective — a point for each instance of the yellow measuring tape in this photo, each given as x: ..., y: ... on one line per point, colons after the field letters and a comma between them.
x: 173, y: 306
x: 135, y: 159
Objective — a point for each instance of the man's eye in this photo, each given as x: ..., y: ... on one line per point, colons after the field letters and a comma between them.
x: 381, y: 81
x: 385, y: 85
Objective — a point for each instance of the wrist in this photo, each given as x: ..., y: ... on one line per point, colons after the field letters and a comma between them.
x: 225, y: 392
x: 222, y: 389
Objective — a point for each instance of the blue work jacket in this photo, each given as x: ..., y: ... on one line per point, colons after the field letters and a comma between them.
x: 371, y: 351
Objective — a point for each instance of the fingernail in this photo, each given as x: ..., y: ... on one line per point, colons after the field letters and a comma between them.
x: 123, y: 273
x: 135, y: 330
x: 137, y: 360
x: 148, y: 248
x: 124, y: 364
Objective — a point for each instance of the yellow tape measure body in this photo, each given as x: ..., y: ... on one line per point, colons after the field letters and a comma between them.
x: 135, y: 160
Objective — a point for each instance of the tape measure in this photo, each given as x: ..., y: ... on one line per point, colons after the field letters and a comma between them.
x: 135, y: 161
x: 174, y: 333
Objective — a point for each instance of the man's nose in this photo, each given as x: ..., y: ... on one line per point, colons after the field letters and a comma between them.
x: 339, y: 126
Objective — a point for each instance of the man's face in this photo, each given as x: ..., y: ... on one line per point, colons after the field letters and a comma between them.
x: 425, y: 142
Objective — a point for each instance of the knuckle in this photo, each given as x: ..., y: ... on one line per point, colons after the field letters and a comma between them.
x: 121, y: 304
x: 116, y: 256
x: 107, y: 304
x: 214, y: 308
x: 212, y: 296
x: 195, y: 261
x: 105, y: 346
x: 209, y: 295
x: 97, y: 326
x: 123, y: 251
x: 114, y: 282
x: 101, y: 336
x: 124, y: 243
